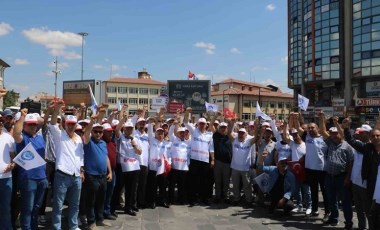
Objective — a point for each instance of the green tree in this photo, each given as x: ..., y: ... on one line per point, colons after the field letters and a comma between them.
x: 10, y: 99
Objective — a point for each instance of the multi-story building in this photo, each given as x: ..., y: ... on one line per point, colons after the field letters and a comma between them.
x: 3, y: 65
x: 241, y: 97
x: 136, y: 92
x: 334, y: 54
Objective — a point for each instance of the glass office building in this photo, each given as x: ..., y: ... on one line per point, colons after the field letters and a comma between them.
x: 334, y: 50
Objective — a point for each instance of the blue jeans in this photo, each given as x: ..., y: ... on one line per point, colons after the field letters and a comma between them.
x: 303, y: 189
x: 32, y: 193
x: 69, y: 187
x: 5, y: 203
x: 110, y: 187
x: 336, y: 191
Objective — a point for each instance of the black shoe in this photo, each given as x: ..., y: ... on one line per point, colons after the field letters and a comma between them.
x: 165, y: 205
x: 134, y: 208
x: 205, y: 202
x: 348, y: 225
x: 141, y: 206
x: 153, y: 206
x: 114, y: 214
x: 191, y: 204
x: 109, y: 217
x: 331, y: 222
x: 130, y: 212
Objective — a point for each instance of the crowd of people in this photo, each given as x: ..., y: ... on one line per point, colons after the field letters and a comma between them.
x: 100, y: 165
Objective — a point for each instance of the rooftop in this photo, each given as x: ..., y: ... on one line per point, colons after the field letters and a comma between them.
x: 134, y: 81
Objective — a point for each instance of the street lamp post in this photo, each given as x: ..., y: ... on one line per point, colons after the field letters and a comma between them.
x: 83, y: 34
x: 56, y: 72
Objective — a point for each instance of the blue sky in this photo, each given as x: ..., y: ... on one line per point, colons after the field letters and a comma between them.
x: 219, y: 39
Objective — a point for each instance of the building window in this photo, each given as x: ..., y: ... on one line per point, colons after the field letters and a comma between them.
x: 111, y: 89
x: 153, y: 91
x: 272, y: 105
x: 133, y: 101
x: 143, y: 91
x: 133, y: 90
x: 143, y: 101
x: 280, y: 105
x: 246, y: 103
x: 123, y: 100
x: 122, y: 90
x: 246, y: 116
x: 111, y: 100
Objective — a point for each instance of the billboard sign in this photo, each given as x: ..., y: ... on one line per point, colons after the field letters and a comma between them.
x: 158, y: 102
x: 191, y: 93
x: 367, y: 102
x: 76, y: 92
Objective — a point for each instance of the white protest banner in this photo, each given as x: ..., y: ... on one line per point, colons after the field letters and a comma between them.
x: 261, y: 114
x: 28, y: 158
x: 303, y: 102
x: 94, y: 104
x: 263, y: 182
x: 118, y: 105
x: 211, y: 107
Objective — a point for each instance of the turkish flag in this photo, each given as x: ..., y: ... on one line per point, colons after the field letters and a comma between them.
x: 228, y: 113
x: 298, y: 169
x: 191, y: 75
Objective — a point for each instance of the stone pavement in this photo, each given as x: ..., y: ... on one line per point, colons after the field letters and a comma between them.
x: 216, y: 217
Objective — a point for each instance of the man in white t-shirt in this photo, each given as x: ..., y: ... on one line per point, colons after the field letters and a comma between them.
x: 6, y: 166
x: 201, y: 159
x: 314, y: 163
x: 241, y: 163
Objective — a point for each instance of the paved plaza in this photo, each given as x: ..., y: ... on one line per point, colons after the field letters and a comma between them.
x: 215, y: 217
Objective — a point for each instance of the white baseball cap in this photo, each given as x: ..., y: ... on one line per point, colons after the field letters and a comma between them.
x: 223, y: 124
x: 71, y: 119
x: 365, y: 128
x: 97, y: 125
x: 78, y: 127
x: 265, y: 124
x: 202, y: 120
x: 333, y: 130
x: 242, y: 130
x: 181, y: 129
x: 31, y: 119
x: 107, y: 127
x: 128, y: 124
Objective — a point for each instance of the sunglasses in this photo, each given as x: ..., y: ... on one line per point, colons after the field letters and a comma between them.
x: 97, y: 132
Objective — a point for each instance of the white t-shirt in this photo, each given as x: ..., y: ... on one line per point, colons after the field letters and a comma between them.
x: 356, y: 173
x: 7, y: 146
x: 180, y: 154
x: 283, y: 150
x: 69, y: 152
x: 157, y: 150
x: 129, y: 160
x: 315, y: 151
x: 144, y: 140
x: 201, y: 144
x: 241, y: 154
x: 298, y: 150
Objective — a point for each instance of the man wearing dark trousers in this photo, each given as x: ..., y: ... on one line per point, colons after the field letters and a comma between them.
x: 201, y: 159
x: 98, y: 171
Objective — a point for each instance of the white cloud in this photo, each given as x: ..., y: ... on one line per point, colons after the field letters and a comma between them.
x: 235, y: 51
x: 271, y: 7
x: 203, y: 76
x: 209, y: 47
x: 19, y: 61
x: 119, y: 67
x: 5, y: 28
x: 259, y: 68
x: 284, y: 59
x: 98, y: 66
x: 56, y: 41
